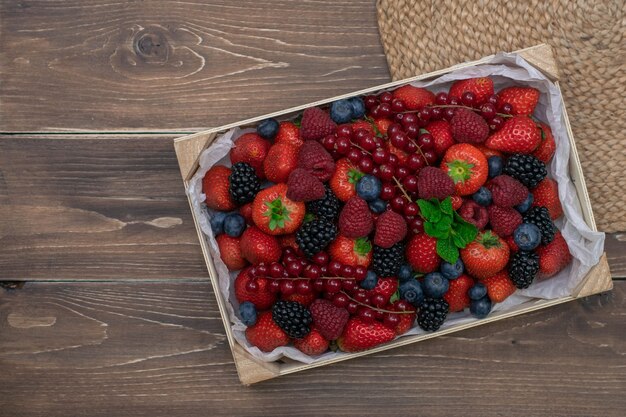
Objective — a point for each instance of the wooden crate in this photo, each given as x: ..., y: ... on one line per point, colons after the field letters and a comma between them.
x: 250, y: 370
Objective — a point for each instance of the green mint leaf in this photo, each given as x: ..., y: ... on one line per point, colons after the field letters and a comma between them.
x: 447, y: 250
x: 395, y: 296
x: 432, y: 230
x: 467, y: 232
x: 429, y: 210
x: 459, y: 242
x: 446, y: 206
x: 445, y: 223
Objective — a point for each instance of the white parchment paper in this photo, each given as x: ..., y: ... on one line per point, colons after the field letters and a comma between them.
x: 585, y: 244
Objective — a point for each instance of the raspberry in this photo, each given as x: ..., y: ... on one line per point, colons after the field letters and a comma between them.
x: 468, y: 127
x: 355, y: 219
x: 316, y: 124
x: 434, y: 183
x: 504, y: 220
x: 390, y: 229
x: 328, y: 319
x: 507, y: 191
x: 315, y: 159
x: 303, y: 186
x: 474, y: 213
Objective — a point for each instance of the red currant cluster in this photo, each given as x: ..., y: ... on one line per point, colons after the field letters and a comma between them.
x: 488, y: 110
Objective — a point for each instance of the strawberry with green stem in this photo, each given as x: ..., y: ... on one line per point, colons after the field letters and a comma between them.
x: 467, y: 166
x: 274, y: 213
x: 353, y: 252
x: 344, y: 180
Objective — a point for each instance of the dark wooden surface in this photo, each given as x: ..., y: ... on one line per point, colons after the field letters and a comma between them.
x: 85, y: 197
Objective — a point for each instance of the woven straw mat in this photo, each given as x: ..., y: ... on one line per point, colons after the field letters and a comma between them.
x: 589, y: 45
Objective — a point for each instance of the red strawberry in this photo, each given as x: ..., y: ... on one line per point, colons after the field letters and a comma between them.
x: 315, y: 159
x: 304, y: 299
x: 422, y: 253
x: 258, y: 247
x: 511, y: 242
x: 553, y: 257
x: 406, y: 320
x: 328, y: 318
x: 482, y: 88
x: 414, y: 98
x: 433, y: 182
x: 468, y: 127
x: 487, y: 255
x: 547, y: 146
x: 262, y: 298
x: 316, y: 124
x: 504, y: 220
x: 312, y: 344
x: 288, y: 133
x: 355, y: 219
x: 359, y: 335
x: 456, y: 296
x: 523, y: 99
x: 474, y: 213
x: 499, y: 286
x: 353, y: 252
x: 274, y: 213
x: 215, y: 186
x: 391, y: 228
x: 363, y: 124
x: 506, y: 191
x: 288, y: 241
x: 489, y: 152
x: 304, y: 186
x: 230, y: 252
x: 281, y: 160
x: 385, y: 287
x: 251, y: 149
x: 519, y: 134
x: 546, y: 194
x: 382, y: 125
x: 246, y: 212
x: 265, y: 334
x: 343, y: 182
x: 467, y: 166
x: 442, y: 135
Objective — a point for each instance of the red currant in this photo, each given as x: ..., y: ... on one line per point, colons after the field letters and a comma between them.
x: 344, y: 131
x: 488, y: 111
x: 380, y: 155
x: 448, y: 113
x: 385, y: 172
x: 416, y: 225
x: 387, y: 191
x: 386, y: 97
x: 415, y: 162
x: 370, y: 102
x: 431, y: 157
x: 408, y: 119
x: 494, y: 99
x: 453, y: 101
x: 332, y: 285
x: 425, y: 113
x: 398, y: 140
x: 401, y: 172
x: 426, y: 141
x: 410, y: 147
x: 276, y: 270
x: 354, y: 155
x: 334, y: 268
x: 410, y: 183
x: 262, y: 270
x: 352, y: 307
x: 347, y: 271
x: 378, y: 300
x: 318, y: 285
x: 385, y: 110
x: 367, y: 314
x: 304, y: 287
x: 320, y: 258
x: 360, y: 272
x: 360, y: 296
x: 441, y: 98
x: 397, y: 105
x: 349, y: 285
x: 393, y: 159
x: 391, y: 320
x: 275, y: 285
x: 393, y: 128
x: 411, y: 209
x: 312, y: 271
x: 397, y: 203
x: 437, y: 113
x: 506, y: 108
x: 468, y: 98
x: 368, y: 143
x: 496, y: 123
x: 343, y: 145
x: 287, y: 287
x: 329, y: 142
x: 366, y: 165
x: 412, y: 130
x: 340, y: 300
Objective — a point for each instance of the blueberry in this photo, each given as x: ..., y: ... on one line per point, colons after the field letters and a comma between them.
x: 405, y: 273
x: 368, y: 188
x: 478, y: 291
x: 482, y: 196
x: 268, y: 128
x: 217, y: 222
x: 370, y: 281
x: 435, y: 285
x: 234, y: 223
x: 527, y: 236
x: 480, y: 308
x: 496, y: 164
x: 525, y: 205
x: 247, y: 311
x: 341, y: 111
x: 378, y: 206
x: 452, y: 271
x: 411, y: 291
x: 358, y: 107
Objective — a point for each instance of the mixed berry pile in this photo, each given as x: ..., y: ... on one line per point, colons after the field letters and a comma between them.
x: 355, y: 223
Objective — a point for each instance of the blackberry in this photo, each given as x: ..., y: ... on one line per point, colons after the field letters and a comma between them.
x: 526, y: 169
x: 524, y: 266
x: 315, y: 235
x: 432, y: 313
x: 387, y: 262
x: 325, y: 208
x: 292, y: 317
x: 540, y: 217
x: 244, y: 183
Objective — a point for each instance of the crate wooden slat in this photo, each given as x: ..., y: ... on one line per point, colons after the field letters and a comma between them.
x: 189, y: 148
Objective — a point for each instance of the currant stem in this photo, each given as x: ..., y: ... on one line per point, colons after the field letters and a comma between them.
x: 406, y: 195
x: 382, y: 310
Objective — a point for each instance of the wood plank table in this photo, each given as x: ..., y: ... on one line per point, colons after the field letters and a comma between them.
x: 117, y: 316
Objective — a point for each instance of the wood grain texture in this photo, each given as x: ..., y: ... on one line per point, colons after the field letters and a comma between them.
x: 174, y: 65
x: 94, y: 208
x: 102, y: 207
x: 159, y: 349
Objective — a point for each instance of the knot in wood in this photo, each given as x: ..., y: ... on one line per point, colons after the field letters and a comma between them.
x: 152, y: 46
